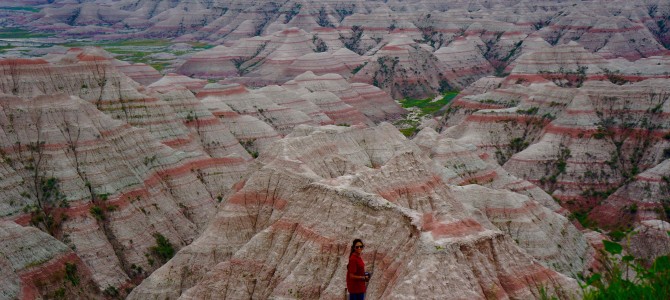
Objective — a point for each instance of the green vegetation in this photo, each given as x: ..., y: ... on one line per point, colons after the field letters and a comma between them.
x: 200, y: 45
x: 19, y: 33
x: 111, y: 292
x: 20, y: 8
x: 141, y: 43
x: 163, y: 248
x: 617, y: 282
x: 97, y: 212
x: 410, y: 131
x: 3, y: 49
x: 428, y: 106
x: 583, y: 219
x: 141, y: 51
x: 358, y: 68
x: 71, y: 273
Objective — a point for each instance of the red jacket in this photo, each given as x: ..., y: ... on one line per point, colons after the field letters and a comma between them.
x: 356, y: 267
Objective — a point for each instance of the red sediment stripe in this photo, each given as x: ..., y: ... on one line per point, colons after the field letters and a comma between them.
x: 459, y: 228
x: 396, y: 192
x: 253, y: 198
x: 649, y: 179
x: 239, y: 185
x: 521, y: 278
x: 495, y: 118
x: 393, y: 48
x: 240, y: 89
x: 304, y: 232
x: 531, y: 78
x: 22, y: 61
x: 577, y: 185
x: 52, y: 270
x: 177, y: 142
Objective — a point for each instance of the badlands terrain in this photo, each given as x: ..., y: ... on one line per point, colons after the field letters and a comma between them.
x: 231, y: 149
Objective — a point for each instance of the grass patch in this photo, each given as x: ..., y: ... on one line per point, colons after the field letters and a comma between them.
x: 427, y: 106
x: 21, y: 8
x: 20, y: 33
x: 408, y: 132
x: 4, y: 49
x: 141, y: 43
x: 159, y: 66
x: 200, y: 45
x: 583, y: 219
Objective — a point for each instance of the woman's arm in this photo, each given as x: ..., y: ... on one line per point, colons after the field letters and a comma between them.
x: 351, y: 269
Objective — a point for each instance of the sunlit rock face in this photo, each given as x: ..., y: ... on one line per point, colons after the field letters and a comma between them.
x: 292, y: 220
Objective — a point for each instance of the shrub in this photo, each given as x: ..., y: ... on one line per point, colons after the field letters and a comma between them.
x: 97, y: 212
x: 71, y: 273
x: 616, y: 283
x: 163, y: 248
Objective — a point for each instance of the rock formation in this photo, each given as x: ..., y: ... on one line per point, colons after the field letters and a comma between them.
x: 247, y: 172
x: 261, y: 245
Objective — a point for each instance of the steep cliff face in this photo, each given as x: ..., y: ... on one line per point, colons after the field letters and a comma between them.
x: 35, y: 265
x: 102, y: 186
x: 115, y: 170
x: 106, y: 166
x: 286, y: 231
x: 593, y: 125
x: 405, y: 68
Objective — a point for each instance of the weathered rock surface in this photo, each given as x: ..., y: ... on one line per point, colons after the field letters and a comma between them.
x: 106, y: 172
x: 595, y: 129
x: 261, y: 244
x: 406, y: 69
x: 35, y: 265
x: 105, y: 155
x: 271, y: 42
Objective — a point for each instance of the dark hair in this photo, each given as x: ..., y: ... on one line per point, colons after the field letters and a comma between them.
x: 354, y: 244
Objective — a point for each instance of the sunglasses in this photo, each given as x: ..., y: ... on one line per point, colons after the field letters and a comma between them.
x: 359, y: 247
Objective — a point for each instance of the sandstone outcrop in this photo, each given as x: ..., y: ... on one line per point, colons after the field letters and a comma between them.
x: 593, y: 130
x: 235, y: 163
x: 35, y: 265
x: 404, y: 68
x: 262, y: 245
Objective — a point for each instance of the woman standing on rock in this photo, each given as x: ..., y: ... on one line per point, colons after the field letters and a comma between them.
x: 356, y: 275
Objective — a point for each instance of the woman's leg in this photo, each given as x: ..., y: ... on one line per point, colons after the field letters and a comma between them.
x: 360, y: 296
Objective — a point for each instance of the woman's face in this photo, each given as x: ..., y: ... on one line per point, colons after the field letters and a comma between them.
x: 359, y: 247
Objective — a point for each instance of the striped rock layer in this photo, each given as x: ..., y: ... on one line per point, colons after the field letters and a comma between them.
x: 34, y: 264
x: 578, y: 125
x: 272, y: 42
x: 286, y: 232
x: 105, y: 164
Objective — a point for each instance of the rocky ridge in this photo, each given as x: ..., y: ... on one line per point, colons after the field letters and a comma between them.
x: 260, y: 244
